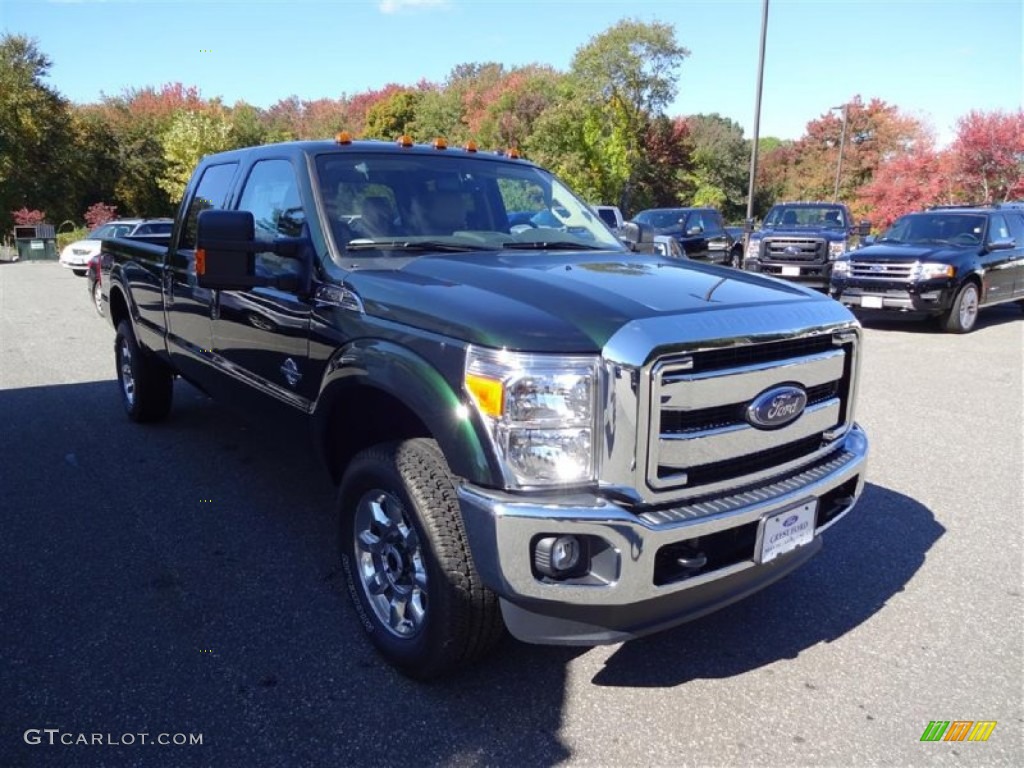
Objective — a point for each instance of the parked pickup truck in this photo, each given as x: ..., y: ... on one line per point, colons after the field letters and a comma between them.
x: 800, y: 242
x: 543, y: 431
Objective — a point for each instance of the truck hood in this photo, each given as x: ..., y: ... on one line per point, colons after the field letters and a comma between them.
x: 905, y: 252
x: 560, y: 302
x: 832, y: 235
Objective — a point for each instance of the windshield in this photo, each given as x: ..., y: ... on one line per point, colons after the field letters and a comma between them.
x: 942, y: 228
x: 817, y: 216
x: 662, y: 219
x: 383, y: 201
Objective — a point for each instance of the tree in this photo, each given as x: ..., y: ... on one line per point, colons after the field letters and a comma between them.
x: 393, y: 116
x: 23, y: 217
x: 988, y: 156
x: 904, y: 183
x: 719, y: 165
x: 875, y: 132
x: 191, y: 136
x: 625, y: 77
x: 98, y: 214
x: 35, y: 140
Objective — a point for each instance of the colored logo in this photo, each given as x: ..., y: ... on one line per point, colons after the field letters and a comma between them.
x: 789, y: 521
x: 958, y: 730
x: 776, y: 407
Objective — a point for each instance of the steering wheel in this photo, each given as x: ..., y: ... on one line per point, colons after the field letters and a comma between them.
x: 964, y: 238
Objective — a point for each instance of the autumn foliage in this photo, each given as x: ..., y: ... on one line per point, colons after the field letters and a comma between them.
x: 23, y: 217
x: 601, y: 125
x: 99, y: 214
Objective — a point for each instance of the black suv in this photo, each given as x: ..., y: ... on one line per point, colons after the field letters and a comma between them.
x: 700, y: 232
x: 946, y: 262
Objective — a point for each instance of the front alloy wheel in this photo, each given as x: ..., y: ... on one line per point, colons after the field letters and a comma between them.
x: 409, y: 568
x: 391, y: 569
x: 963, y: 314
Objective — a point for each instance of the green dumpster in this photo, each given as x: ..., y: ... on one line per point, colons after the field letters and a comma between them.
x: 36, y: 242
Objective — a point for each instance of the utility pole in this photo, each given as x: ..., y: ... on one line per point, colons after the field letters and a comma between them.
x: 842, y: 143
x: 749, y: 224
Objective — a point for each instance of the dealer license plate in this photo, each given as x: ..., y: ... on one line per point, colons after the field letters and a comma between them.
x: 871, y: 302
x: 791, y: 271
x: 785, y: 531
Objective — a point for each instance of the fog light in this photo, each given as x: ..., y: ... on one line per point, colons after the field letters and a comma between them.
x: 557, y: 556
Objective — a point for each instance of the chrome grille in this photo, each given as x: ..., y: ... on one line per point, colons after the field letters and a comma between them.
x: 796, y: 250
x: 700, y: 440
x: 881, y: 270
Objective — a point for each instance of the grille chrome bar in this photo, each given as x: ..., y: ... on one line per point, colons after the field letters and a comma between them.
x: 881, y: 270
x: 739, y: 440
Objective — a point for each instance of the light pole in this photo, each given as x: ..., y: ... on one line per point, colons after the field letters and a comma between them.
x: 842, y: 143
x: 757, y: 129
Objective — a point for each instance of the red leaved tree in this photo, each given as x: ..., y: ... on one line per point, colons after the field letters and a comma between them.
x: 904, y: 183
x: 989, y: 156
x: 99, y: 214
x: 23, y: 217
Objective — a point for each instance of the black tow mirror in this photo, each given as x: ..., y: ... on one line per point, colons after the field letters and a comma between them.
x: 864, y: 229
x: 749, y: 225
x: 226, y: 248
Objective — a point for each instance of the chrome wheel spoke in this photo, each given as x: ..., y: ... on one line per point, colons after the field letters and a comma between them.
x: 391, y: 569
x: 369, y: 542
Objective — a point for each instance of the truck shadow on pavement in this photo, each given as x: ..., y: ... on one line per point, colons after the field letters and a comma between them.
x: 183, y: 577
x: 911, y: 323
x: 868, y: 558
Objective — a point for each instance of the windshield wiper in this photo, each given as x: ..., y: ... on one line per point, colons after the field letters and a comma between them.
x: 552, y: 245
x: 420, y: 246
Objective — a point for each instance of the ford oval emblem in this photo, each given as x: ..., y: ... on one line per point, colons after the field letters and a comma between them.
x: 776, y: 407
x: 792, y: 250
x: 789, y: 521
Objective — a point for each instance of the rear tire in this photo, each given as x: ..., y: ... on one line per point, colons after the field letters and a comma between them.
x: 962, y: 314
x: 405, y: 555
x: 146, y: 384
x: 97, y: 298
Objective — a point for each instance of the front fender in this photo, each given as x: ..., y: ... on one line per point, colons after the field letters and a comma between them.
x: 409, y: 378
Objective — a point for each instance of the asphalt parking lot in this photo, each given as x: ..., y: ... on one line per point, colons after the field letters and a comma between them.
x: 181, y: 579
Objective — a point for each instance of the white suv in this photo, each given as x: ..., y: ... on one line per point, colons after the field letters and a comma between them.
x: 76, y: 255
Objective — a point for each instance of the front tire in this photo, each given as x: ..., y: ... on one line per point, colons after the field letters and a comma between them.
x: 147, y: 385
x: 79, y: 272
x: 962, y: 315
x: 405, y: 555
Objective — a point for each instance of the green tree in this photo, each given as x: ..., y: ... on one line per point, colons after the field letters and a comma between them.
x: 625, y: 77
x: 36, y: 143
x: 392, y: 117
x: 191, y: 136
x: 720, y: 165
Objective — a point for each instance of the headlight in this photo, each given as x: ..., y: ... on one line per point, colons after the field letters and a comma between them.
x: 539, y: 411
x: 753, y: 246
x: 841, y: 268
x: 928, y: 271
x: 835, y: 250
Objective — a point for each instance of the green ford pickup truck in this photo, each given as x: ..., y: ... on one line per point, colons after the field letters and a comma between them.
x: 533, y: 425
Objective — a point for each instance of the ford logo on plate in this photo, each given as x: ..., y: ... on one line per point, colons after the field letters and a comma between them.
x: 789, y: 521
x: 776, y: 407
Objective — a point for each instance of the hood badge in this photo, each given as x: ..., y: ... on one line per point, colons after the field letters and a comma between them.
x: 776, y: 407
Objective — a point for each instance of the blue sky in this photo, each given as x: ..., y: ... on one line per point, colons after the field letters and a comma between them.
x: 936, y: 60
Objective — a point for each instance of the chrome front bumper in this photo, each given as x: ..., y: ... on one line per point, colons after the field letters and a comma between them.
x: 629, y: 596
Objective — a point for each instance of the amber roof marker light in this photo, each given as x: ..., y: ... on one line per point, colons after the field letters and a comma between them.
x: 343, y: 137
x: 405, y: 140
